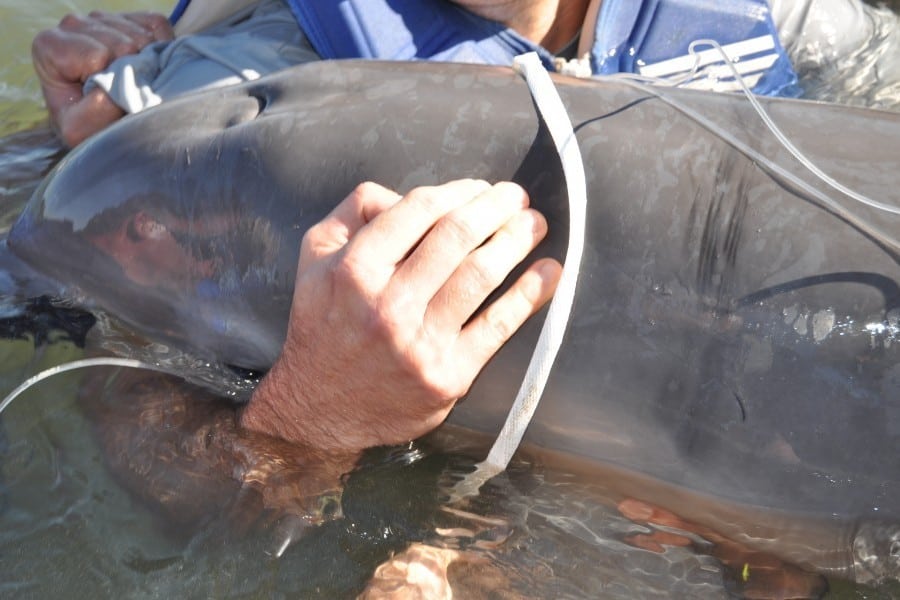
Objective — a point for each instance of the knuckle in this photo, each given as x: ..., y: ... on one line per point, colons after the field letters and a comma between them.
x: 500, y: 326
x: 439, y: 392
x: 43, y: 43
x: 438, y: 388
x: 458, y: 229
x: 386, y: 322
x: 352, y: 275
x: 98, y: 58
x: 311, y: 238
x: 154, y: 20
x: 427, y: 198
x: 347, y: 273
x: 484, y: 274
x: 124, y: 46
x: 444, y: 390
x: 72, y: 22
x: 90, y: 59
x: 153, y: 25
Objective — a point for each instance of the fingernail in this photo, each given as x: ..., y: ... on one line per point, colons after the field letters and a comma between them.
x: 549, y: 271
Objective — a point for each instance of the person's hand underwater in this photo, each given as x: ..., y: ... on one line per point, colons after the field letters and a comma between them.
x: 760, y: 576
x: 383, y: 335
x: 65, y: 56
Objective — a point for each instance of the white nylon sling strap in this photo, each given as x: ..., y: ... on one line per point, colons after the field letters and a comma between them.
x: 555, y: 116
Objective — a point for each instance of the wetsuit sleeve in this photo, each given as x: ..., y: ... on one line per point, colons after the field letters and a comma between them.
x: 191, y: 16
x: 840, y: 37
x: 251, y: 44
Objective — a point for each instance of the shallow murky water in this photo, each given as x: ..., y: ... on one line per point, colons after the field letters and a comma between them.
x: 69, y: 527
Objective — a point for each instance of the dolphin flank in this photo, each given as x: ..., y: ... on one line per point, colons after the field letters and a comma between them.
x: 734, y: 348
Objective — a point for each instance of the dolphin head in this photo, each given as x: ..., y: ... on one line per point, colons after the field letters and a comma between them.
x: 183, y: 257
x: 185, y: 220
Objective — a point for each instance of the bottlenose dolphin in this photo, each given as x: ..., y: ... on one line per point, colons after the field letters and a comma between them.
x: 735, y: 340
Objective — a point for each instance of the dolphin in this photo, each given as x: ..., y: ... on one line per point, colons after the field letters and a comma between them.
x: 734, y: 348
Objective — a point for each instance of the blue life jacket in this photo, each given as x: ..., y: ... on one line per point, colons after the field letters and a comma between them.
x: 650, y: 37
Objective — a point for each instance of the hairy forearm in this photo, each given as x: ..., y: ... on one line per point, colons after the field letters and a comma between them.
x: 382, y: 340
x: 280, y: 407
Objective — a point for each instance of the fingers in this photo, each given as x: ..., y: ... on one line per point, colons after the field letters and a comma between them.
x: 482, y: 271
x: 136, y: 29
x: 357, y: 301
x: 63, y: 61
x: 79, y: 121
x: 457, y: 234
x: 81, y: 46
x: 450, y: 271
x: 112, y: 35
x: 141, y: 27
x: 399, y: 230
x: 64, y: 57
x: 331, y: 234
x: 484, y: 335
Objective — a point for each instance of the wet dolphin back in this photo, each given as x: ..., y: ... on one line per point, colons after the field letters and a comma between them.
x: 731, y: 334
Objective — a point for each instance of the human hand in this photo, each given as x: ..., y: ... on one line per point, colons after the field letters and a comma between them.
x: 65, y: 56
x: 382, y: 340
x: 757, y: 574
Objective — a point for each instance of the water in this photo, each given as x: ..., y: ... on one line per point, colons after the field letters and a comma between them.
x: 70, y: 527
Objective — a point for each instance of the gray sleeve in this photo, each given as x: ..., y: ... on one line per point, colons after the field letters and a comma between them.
x: 266, y: 40
x: 851, y: 50
x: 129, y: 80
x: 829, y: 28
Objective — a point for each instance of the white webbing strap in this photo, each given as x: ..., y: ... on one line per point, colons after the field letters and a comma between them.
x: 556, y: 118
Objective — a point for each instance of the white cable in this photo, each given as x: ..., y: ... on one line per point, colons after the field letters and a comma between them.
x: 804, y: 160
x: 553, y: 111
x: 781, y: 137
x: 641, y: 83
x: 77, y: 364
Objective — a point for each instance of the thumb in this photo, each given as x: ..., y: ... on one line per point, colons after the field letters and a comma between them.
x: 333, y: 232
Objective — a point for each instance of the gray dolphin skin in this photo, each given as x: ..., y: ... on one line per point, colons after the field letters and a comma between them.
x: 734, y: 350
